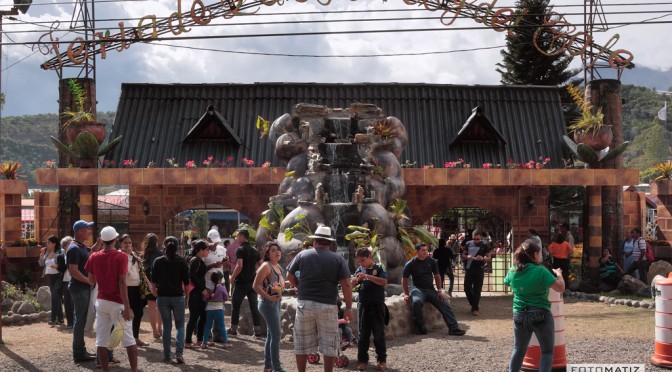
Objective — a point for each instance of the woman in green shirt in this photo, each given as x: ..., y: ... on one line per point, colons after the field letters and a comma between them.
x: 530, y: 283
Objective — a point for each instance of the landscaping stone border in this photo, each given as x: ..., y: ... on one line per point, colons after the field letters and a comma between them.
x: 611, y: 300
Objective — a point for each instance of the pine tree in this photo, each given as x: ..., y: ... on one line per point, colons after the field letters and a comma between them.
x: 522, y: 63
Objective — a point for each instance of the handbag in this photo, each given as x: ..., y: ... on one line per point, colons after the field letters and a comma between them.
x: 145, y: 290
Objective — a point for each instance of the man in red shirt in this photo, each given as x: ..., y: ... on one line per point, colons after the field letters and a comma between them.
x: 108, y: 268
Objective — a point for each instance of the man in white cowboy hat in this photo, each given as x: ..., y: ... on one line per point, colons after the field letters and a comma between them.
x: 316, y: 272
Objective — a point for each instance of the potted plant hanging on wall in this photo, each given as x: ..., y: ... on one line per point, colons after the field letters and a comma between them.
x: 589, y: 129
x: 662, y: 185
x: 79, y: 120
x: 85, y: 149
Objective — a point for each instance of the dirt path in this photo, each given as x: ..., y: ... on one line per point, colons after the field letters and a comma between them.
x: 595, y: 333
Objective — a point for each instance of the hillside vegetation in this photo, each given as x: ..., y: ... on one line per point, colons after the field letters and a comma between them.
x: 26, y: 139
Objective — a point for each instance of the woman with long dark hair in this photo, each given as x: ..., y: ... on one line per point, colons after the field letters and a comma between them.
x: 136, y: 284
x: 269, y: 284
x: 149, y: 250
x: 444, y: 256
x: 48, y: 259
x: 65, y: 292
x: 170, y: 278
x: 197, y: 269
x: 530, y: 282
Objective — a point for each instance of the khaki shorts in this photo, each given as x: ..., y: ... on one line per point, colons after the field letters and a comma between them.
x: 316, y: 324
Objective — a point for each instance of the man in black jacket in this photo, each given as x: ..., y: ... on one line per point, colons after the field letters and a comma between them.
x: 247, y: 258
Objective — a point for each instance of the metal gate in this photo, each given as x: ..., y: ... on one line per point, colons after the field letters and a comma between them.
x: 457, y: 221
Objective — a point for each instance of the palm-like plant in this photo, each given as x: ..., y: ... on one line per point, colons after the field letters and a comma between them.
x: 85, y: 146
x: 272, y: 218
x: 665, y: 170
x: 10, y: 170
x: 79, y: 96
x: 588, y: 122
x: 363, y: 236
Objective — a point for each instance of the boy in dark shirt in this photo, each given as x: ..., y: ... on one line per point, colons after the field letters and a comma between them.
x: 371, y: 279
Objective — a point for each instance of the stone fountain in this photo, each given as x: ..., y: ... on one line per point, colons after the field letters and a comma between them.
x: 342, y: 169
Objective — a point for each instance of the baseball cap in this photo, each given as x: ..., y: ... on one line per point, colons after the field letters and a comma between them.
x: 81, y: 223
x: 108, y: 233
x: 213, y: 235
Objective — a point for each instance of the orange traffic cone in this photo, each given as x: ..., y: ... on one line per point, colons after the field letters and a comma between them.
x: 531, y: 361
x: 662, y: 356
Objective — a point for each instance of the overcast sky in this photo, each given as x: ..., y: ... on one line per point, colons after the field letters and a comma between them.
x: 31, y: 90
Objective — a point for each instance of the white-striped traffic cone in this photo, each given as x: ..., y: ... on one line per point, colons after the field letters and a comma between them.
x: 531, y: 361
x: 662, y: 356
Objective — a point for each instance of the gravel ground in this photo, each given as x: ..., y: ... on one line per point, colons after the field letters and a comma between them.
x: 595, y: 333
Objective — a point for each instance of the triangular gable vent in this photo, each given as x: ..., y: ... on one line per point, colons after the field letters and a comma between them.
x: 478, y: 130
x: 212, y: 127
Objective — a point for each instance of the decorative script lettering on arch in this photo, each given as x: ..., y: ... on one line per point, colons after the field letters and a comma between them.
x: 558, y: 34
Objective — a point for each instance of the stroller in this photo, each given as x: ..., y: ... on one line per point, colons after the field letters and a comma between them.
x: 341, y: 360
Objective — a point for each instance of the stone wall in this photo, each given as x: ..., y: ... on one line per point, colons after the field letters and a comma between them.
x: 401, y: 321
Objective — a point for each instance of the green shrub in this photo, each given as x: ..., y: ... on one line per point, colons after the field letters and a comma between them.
x: 13, y: 292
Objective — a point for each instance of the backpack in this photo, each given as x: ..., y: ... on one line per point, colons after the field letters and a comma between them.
x: 649, y: 253
x: 650, y: 256
x: 61, y: 266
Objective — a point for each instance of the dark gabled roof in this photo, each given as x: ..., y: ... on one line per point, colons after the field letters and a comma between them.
x: 155, y: 118
x: 212, y: 127
x: 478, y: 129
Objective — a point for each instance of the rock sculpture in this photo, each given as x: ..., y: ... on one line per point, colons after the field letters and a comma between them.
x: 335, y: 158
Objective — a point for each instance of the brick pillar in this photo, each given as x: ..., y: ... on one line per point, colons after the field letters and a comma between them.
x: 533, y: 216
x: 665, y: 216
x: 88, y: 209
x: 10, y: 210
x: 634, y: 215
x: 592, y: 247
x: 46, y: 214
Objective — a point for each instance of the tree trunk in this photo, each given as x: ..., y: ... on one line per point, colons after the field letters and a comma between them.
x: 606, y: 94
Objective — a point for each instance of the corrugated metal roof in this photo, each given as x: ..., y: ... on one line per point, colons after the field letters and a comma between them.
x: 155, y: 118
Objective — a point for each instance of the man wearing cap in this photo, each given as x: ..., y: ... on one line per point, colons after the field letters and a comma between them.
x: 425, y: 274
x: 215, y: 259
x: 108, y: 268
x: 214, y: 262
x: 247, y: 258
x: 316, y: 272
x: 79, y: 287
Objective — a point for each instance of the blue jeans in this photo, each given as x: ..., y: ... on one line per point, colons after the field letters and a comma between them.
x: 216, y: 317
x: 80, y: 295
x: 169, y: 307
x: 418, y: 299
x: 55, y: 283
x: 271, y: 313
x: 537, y: 321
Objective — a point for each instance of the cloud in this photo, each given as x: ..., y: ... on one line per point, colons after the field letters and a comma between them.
x: 30, y: 90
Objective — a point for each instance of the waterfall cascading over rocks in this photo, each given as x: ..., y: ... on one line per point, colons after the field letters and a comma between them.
x: 342, y: 169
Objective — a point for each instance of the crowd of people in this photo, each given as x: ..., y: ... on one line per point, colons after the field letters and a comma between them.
x: 113, y: 282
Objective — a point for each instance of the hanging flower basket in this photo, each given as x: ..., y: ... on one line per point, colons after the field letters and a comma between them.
x: 93, y: 127
x: 596, y: 140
